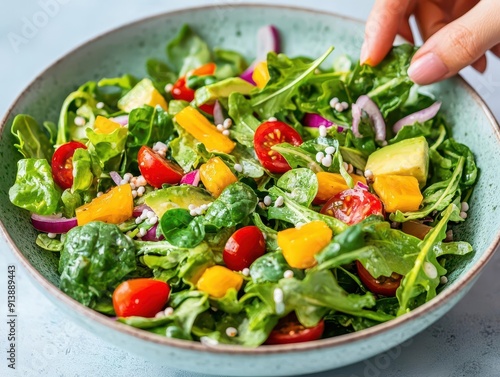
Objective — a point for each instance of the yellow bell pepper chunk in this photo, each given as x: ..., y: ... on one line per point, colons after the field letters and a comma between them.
x: 300, y: 245
x: 144, y: 93
x: 217, y: 280
x: 216, y: 176
x: 103, y: 125
x: 261, y: 74
x: 330, y: 184
x: 398, y: 192
x: 113, y: 207
x: 202, y: 130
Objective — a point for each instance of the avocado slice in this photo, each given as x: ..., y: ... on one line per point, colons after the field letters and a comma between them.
x: 407, y: 157
x: 144, y: 93
x: 222, y: 89
x: 162, y: 200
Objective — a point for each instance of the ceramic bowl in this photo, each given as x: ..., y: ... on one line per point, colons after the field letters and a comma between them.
x: 304, y: 32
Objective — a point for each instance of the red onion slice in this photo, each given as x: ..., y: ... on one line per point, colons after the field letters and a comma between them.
x: 53, y: 224
x: 139, y: 209
x: 192, y: 178
x: 365, y: 103
x: 268, y: 39
x: 151, y: 235
x: 362, y: 186
x: 115, y: 177
x: 121, y: 119
x: 315, y: 120
x: 218, y: 113
x: 419, y: 116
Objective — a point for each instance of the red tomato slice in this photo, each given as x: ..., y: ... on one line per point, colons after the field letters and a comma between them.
x: 290, y: 330
x: 353, y: 205
x: 382, y: 285
x: 62, y: 163
x: 156, y: 170
x: 243, y: 248
x: 140, y: 297
x: 269, y: 134
x: 207, y: 108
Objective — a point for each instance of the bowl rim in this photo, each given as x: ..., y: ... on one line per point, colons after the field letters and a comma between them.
x: 432, y: 305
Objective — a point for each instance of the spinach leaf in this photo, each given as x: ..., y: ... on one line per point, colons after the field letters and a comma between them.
x: 34, y: 188
x: 232, y: 207
x: 229, y: 63
x: 32, y: 141
x: 181, y: 229
x: 270, y: 234
x: 47, y: 243
x: 160, y: 74
x: 296, y: 214
x: 146, y: 126
x: 270, y: 268
x: 286, y: 77
x: 96, y: 258
x: 246, y: 158
x: 426, y: 272
x: 301, y: 185
x: 187, y: 51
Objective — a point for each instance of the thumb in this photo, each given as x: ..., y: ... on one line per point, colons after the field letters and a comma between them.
x: 458, y: 44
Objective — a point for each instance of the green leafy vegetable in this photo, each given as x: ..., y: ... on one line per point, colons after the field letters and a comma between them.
x: 33, y: 142
x: 181, y: 229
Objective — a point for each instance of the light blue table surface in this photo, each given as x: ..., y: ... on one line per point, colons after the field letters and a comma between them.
x: 466, y: 342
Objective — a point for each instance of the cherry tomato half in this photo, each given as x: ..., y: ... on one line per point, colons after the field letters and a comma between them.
x: 62, y: 164
x: 269, y: 134
x: 243, y: 248
x: 290, y: 330
x: 156, y: 170
x: 140, y: 297
x: 353, y: 205
x: 383, y: 285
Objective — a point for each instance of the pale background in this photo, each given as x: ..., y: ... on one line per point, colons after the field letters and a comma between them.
x: 466, y: 342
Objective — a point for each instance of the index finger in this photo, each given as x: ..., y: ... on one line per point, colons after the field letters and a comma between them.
x: 381, y: 29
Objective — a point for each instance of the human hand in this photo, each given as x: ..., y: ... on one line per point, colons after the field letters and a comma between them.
x: 457, y: 34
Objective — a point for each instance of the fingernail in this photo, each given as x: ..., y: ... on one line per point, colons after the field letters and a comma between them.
x: 364, y: 53
x: 427, y: 69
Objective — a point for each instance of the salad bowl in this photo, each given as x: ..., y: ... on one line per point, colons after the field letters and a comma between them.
x: 304, y: 32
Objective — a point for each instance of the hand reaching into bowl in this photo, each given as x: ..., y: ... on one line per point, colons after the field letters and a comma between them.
x: 457, y: 33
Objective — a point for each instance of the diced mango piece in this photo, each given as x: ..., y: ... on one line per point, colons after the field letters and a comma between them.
x: 398, y: 192
x: 216, y: 176
x: 202, y: 130
x: 103, y: 125
x: 217, y: 280
x: 261, y: 74
x: 330, y: 184
x: 113, y: 207
x: 300, y: 245
x: 144, y: 93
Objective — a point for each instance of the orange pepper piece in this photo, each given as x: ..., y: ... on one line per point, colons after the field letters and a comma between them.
x: 202, y: 130
x: 300, y: 245
x: 113, y: 207
x: 261, y: 74
x: 330, y: 184
x: 398, y: 192
x: 103, y: 125
x: 217, y: 280
x: 216, y: 176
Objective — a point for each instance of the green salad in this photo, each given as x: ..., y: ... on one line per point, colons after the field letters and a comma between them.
x: 283, y: 201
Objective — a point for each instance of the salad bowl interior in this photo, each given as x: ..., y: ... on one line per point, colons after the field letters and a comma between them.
x: 303, y: 32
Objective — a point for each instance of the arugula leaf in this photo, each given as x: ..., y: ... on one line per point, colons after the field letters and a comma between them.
x: 96, y: 258
x: 298, y: 157
x: 245, y: 123
x: 187, y: 151
x: 286, y: 77
x: 426, y: 272
x: 181, y: 229
x: 296, y: 214
x: 246, y: 158
x: 32, y: 141
x: 187, y: 51
x: 34, y: 188
x: 270, y: 234
x: 232, y: 207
